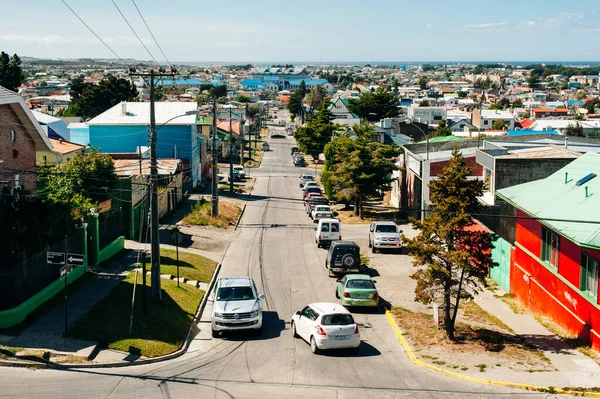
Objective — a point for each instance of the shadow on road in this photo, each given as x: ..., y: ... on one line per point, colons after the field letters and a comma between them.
x: 272, y: 328
x: 365, y: 350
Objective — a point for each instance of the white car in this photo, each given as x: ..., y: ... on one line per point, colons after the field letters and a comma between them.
x: 384, y: 235
x: 321, y: 212
x: 239, y: 171
x: 326, y: 326
x: 309, y: 184
x: 236, y: 305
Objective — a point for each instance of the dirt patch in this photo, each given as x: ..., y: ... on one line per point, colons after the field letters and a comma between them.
x: 482, y: 348
x: 348, y: 217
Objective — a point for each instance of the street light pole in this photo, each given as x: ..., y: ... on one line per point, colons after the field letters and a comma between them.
x: 230, y: 154
x: 410, y: 121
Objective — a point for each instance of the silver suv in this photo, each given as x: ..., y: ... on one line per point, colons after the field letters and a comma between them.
x: 236, y: 305
x: 384, y: 235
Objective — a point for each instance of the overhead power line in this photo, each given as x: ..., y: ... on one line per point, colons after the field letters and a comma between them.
x: 135, y: 33
x: 94, y: 33
x: 151, y: 34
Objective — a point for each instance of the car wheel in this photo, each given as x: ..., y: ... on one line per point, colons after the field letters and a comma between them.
x: 215, y: 333
x: 370, y: 245
x: 258, y: 331
x: 348, y: 260
x: 337, y: 294
x: 294, y: 333
x: 331, y: 274
x: 313, y: 345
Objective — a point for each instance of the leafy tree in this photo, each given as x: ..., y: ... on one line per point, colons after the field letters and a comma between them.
x: 242, y: 99
x: 581, y: 94
x: 500, y: 124
x: 360, y: 167
x: 10, y: 71
x: 576, y: 131
x: 96, y: 99
x: 442, y: 130
x: 314, y: 98
x: 503, y: 103
x: 301, y: 90
x: 591, y: 105
x: 374, y: 106
x: 159, y: 93
x: 533, y: 81
x: 423, y: 82
x: 425, y: 103
x: 76, y: 88
x: 453, y: 260
x: 80, y: 182
x: 462, y: 94
x: 518, y: 103
x: 294, y: 105
x: 318, y: 131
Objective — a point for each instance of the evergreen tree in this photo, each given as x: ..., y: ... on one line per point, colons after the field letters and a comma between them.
x: 10, y: 71
x: 318, y: 131
x: 301, y: 90
x: 96, y: 99
x: 452, y: 259
x: 374, y: 106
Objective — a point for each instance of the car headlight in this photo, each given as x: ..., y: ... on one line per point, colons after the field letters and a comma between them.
x: 255, y: 313
x: 378, y: 238
x: 217, y: 314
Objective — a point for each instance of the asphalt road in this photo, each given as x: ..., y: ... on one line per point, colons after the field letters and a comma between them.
x: 276, y: 247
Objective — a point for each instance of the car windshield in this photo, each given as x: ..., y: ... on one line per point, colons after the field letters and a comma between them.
x: 323, y: 209
x: 386, y: 228
x: 360, y: 284
x: 346, y: 249
x: 235, y: 294
x: 337, y: 320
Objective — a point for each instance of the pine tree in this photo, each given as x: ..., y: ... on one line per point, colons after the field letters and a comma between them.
x: 453, y: 260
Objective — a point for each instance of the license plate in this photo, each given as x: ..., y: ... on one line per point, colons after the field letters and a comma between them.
x: 340, y: 337
x: 362, y: 296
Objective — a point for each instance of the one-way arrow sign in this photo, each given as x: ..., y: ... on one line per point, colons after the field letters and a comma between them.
x: 75, y: 259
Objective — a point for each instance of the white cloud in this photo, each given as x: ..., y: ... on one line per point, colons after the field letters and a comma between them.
x: 485, y: 26
x: 430, y: 26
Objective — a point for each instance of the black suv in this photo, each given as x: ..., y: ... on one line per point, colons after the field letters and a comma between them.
x: 343, y: 257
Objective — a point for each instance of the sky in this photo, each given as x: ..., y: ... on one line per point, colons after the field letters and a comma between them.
x: 308, y: 30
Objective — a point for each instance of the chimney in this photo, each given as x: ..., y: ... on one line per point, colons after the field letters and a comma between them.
x: 566, y: 142
x: 60, y: 141
x: 124, y: 108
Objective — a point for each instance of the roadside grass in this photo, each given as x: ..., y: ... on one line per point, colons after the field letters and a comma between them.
x: 473, y: 347
x: 200, y: 215
x: 159, y: 332
x: 348, y: 216
x: 8, y: 352
x: 191, y: 266
x: 237, y: 188
x: 474, y: 312
x: 46, y: 307
x: 571, y: 339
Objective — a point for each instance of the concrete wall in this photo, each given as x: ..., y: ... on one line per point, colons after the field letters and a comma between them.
x: 510, y: 172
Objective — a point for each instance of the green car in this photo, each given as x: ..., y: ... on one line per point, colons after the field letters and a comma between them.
x: 357, y: 290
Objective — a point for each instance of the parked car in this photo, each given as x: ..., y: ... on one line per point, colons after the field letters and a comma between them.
x: 327, y: 231
x: 343, y: 257
x: 384, y: 235
x: 236, y: 305
x: 266, y: 147
x: 310, y: 184
x: 321, y: 212
x: 306, y: 177
x: 326, y: 326
x: 312, y: 191
x: 299, y: 161
x: 357, y: 290
x: 314, y: 201
x: 239, y: 172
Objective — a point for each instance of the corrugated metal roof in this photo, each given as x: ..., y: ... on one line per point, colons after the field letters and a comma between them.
x: 552, y: 198
x: 131, y: 167
x: 138, y: 113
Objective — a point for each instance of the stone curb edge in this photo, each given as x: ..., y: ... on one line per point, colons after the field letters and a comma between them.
x: 420, y: 363
x: 189, y: 338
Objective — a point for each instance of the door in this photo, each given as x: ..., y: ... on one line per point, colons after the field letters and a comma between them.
x: 303, y: 323
x: 501, y: 272
x: 324, y: 233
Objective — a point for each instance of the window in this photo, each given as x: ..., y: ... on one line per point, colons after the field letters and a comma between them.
x: 13, y: 136
x: 589, y: 275
x: 325, y: 228
x: 485, y: 122
x: 15, y: 154
x: 550, y: 247
x: 335, y: 228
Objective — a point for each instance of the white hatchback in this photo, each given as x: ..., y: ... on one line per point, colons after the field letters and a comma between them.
x: 326, y: 326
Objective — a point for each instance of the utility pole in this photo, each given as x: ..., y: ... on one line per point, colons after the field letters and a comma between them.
x: 215, y: 169
x: 230, y: 154
x: 242, y: 121
x: 154, y: 228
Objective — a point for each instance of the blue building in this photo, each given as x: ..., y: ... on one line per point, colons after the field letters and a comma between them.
x: 126, y: 126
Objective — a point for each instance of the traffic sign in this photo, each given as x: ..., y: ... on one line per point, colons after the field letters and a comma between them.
x: 55, y: 258
x: 176, y: 237
x: 65, y: 270
x: 75, y: 259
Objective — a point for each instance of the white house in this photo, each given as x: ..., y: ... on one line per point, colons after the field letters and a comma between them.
x: 343, y: 116
x: 485, y: 119
x: 428, y: 115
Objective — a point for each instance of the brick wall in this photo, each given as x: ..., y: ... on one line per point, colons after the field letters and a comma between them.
x: 435, y: 168
x: 19, y: 154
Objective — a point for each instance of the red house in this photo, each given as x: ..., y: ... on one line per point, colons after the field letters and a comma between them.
x: 555, y: 263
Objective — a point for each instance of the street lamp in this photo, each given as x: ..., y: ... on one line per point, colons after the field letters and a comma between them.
x: 409, y: 121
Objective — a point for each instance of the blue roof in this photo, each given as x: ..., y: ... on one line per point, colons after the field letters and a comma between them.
x: 525, y: 132
x: 571, y: 102
x: 252, y: 82
x: 308, y: 82
x: 193, y: 82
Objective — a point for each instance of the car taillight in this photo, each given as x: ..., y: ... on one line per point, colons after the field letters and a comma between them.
x: 320, y: 331
x: 356, y: 330
x: 340, y: 237
x: 319, y: 236
x: 346, y: 295
x: 375, y: 296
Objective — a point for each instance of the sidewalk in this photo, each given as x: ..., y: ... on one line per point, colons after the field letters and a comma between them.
x: 576, y: 368
x: 47, y: 332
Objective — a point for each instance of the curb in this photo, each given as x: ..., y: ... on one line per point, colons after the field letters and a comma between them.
x: 240, y: 218
x: 413, y: 358
x: 188, y: 340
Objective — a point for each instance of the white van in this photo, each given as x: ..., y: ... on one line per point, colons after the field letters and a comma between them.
x: 326, y: 231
